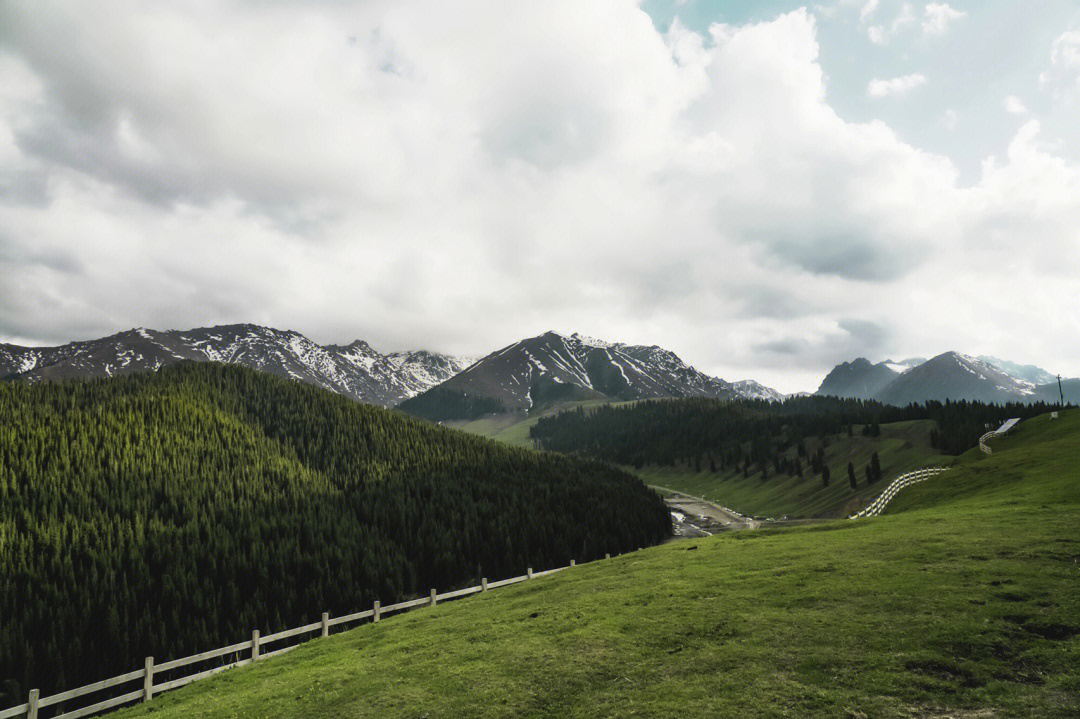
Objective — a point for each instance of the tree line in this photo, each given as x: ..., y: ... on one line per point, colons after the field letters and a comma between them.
x: 754, y: 435
x: 172, y: 512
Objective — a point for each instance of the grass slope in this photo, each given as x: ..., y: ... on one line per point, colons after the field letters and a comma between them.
x: 513, y: 428
x: 961, y: 601
x: 902, y: 447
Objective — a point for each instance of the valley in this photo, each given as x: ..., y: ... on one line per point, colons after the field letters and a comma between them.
x: 901, y: 447
x: 957, y: 603
x: 276, y: 424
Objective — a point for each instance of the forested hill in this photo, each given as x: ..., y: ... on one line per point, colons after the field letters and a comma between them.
x: 754, y: 432
x: 172, y: 512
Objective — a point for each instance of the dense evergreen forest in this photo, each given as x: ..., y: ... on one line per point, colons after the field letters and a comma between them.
x: 751, y: 433
x: 173, y: 512
x: 440, y: 404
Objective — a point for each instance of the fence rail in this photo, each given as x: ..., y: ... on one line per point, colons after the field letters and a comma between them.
x: 905, y: 480
x: 255, y: 646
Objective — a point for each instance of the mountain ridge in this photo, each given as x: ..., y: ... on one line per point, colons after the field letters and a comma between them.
x: 552, y: 367
x: 948, y: 376
x: 354, y: 370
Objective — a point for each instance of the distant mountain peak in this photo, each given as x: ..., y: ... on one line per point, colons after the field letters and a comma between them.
x: 858, y: 379
x: 1026, y: 372
x: 950, y: 375
x: 540, y: 371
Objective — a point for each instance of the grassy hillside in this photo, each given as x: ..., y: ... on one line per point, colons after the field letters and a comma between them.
x: 512, y: 428
x: 167, y: 513
x: 901, y: 447
x: 960, y: 602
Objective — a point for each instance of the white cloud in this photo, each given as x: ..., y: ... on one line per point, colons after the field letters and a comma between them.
x: 403, y: 173
x: 896, y: 86
x: 905, y: 17
x: 868, y: 9
x: 938, y: 16
x: 881, y: 35
x: 1014, y: 105
x: 950, y: 119
x: 1063, y: 75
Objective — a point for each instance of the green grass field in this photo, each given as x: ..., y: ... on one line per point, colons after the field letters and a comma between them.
x: 902, y: 447
x: 513, y: 428
x: 961, y: 601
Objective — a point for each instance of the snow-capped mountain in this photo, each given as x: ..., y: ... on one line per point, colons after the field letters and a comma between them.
x: 951, y: 375
x: 752, y: 389
x: 904, y: 365
x: 1026, y: 372
x: 956, y: 376
x: 354, y: 370
x: 540, y: 371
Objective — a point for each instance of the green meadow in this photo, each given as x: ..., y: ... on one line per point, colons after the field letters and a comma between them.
x: 961, y: 601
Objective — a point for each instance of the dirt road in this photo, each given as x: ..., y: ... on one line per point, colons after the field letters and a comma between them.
x: 697, y: 517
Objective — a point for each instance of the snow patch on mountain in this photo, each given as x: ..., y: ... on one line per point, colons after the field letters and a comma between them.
x: 355, y: 370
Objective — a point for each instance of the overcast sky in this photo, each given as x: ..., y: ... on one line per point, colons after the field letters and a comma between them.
x: 765, y: 188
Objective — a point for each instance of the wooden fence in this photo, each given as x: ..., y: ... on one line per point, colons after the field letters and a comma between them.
x: 255, y: 648
x: 875, y: 508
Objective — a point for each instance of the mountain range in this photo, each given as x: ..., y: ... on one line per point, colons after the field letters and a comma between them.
x: 530, y: 374
x: 354, y: 370
x: 951, y: 375
x: 543, y: 370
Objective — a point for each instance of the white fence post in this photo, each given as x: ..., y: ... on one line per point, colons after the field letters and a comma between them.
x: 529, y: 573
x: 483, y: 584
x: 148, y: 680
x: 607, y: 556
x: 255, y: 645
x: 572, y: 563
x: 378, y: 610
x: 433, y: 596
x: 32, y: 704
x: 326, y: 624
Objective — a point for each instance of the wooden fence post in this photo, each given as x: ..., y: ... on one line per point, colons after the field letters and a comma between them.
x: 483, y: 584
x: 32, y: 704
x: 433, y: 597
x: 148, y: 680
x: 326, y: 624
x: 255, y: 645
x: 378, y: 610
x: 529, y: 573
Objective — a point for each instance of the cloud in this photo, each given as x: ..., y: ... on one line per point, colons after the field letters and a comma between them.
x: 868, y: 9
x: 1014, y: 105
x: 896, y: 86
x: 950, y: 119
x: 399, y: 172
x: 938, y: 16
x: 1063, y: 75
x: 880, y: 34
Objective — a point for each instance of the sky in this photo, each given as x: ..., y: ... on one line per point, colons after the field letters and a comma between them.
x: 765, y: 188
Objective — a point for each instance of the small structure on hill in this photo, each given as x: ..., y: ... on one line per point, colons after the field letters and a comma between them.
x: 1009, y: 424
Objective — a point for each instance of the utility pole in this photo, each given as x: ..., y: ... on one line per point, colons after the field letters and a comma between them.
x: 1061, y: 394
